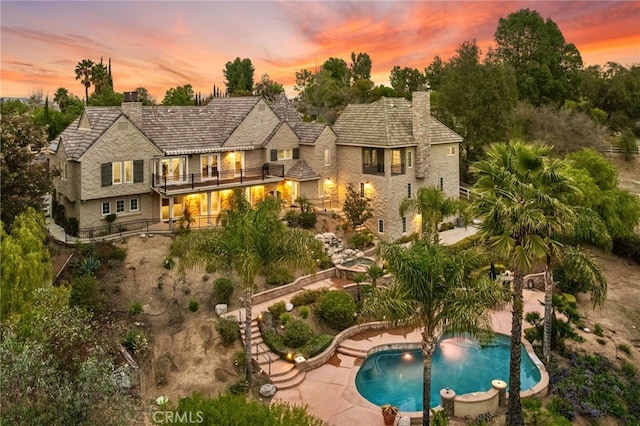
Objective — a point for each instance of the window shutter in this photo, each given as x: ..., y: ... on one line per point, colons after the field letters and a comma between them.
x: 274, y: 155
x: 105, y: 169
x: 138, y: 171
x: 296, y: 153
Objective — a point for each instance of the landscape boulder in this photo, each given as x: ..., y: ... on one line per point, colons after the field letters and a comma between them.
x: 268, y: 390
x: 221, y: 309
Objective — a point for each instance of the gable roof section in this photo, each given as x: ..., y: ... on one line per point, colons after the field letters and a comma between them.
x: 441, y: 134
x: 285, y: 111
x: 77, y: 140
x: 385, y: 123
x: 301, y: 171
x: 308, y: 133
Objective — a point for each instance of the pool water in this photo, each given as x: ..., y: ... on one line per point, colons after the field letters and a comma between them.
x: 459, y: 363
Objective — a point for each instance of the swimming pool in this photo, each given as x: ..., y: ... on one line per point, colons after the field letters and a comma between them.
x: 459, y: 363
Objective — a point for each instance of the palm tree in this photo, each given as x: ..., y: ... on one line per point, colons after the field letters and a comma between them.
x: 436, y: 290
x: 61, y: 97
x: 83, y: 73
x: 434, y: 206
x: 514, y: 225
x: 250, y: 240
x: 99, y: 77
x: 375, y: 272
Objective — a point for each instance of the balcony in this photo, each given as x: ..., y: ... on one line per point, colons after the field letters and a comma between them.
x: 397, y: 169
x: 373, y: 169
x: 225, y: 179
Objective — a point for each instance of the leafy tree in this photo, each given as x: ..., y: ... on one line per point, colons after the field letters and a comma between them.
x: 83, y: 73
x: 106, y: 97
x: 24, y: 181
x: 180, y: 95
x: 145, y: 97
x: 596, y: 178
x: 13, y: 106
x: 435, y: 290
x: 238, y: 410
x: 26, y: 263
x: 406, y: 80
x: 268, y: 88
x: 356, y: 208
x: 361, y: 91
x: 251, y: 240
x: 547, y: 68
x: 435, y: 72
x: 433, y: 205
x: 628, y: 145
x: 360, y: 67
x: 515, y: 224
x: 239, y: 77
x: 467, y: 86
x: 61, y: 97
x: 338, y: 70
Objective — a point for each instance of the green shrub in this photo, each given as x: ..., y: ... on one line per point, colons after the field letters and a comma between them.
x: 241, y: 387
x: 284, y: 318
x: 240, y: 362
x: 222, y: 290
x: 168, y: 263
x: 627, y: 247
x: 293, y: 218
x: 316, y: 345
x: 625, y: 348
x: 307, y: 297
x: 304, y: 312
x: 193, y: 305
x: 135, y: 308
x: 277, y: 309
x: 337, y: 309
x: 228, y: 329
x: 89, y: 266
x: 307, y: 220
x: 275, y: 343
x: 362, y: 239
x: 598, y: 330
x: 135, y: 341
x: 279, y: 277
x: 85, y: 293
x: 601, y: 341
x: 297, y: 333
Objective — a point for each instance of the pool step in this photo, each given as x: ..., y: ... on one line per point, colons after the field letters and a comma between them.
x: 351, y: 349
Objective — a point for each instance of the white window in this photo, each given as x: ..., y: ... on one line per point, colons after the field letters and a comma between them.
x: 133, y: 205
x: 452, y: 150
x: 106, y: 208
x: 128, y: 172
x: 404, y: 224
x: 117, y: 173
x: 327, y: 157
x: 381, y: 226
x: 409, y: 158
x: 409, y: 190
x: 320, y: 188
x: 119, y: 206
x: 285, y: 154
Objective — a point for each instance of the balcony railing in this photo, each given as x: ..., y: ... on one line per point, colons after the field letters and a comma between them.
x: 373, y: 169
x: 214, y: 178
x: 397, y: 169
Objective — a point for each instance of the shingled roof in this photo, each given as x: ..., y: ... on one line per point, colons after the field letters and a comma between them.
x: 301, y: 171
x: 388, y: 122
x: 173, y: 129
x: 285, y: 111
x: 77, y: 141
x: 308, y: 133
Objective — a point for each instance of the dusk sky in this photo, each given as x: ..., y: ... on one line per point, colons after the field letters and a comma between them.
x: 160, y: 44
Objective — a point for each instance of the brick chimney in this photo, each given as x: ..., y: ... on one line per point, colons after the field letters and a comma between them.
x: 132, y: 108
x: 421, y: 111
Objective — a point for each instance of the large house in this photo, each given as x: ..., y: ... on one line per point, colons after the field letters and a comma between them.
x: 164, y: 162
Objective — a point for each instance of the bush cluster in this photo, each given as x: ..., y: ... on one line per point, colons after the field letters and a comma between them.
x: 222, y: 290
x: 361, y: 239
x: 316, y: 345
x: 305, y: 220
x: 85, y: 293
x: 308, y: 297
x: 279, y: 277
x: 277, y: 309
x: 240, y: 387
x: 228, y: 329
x: 337, y: 309
x: 296, y: 333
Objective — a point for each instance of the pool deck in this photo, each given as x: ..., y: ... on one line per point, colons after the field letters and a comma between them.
x: 329, y: 391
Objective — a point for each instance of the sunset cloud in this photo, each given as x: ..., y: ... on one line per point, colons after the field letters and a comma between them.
x: 160, y: 45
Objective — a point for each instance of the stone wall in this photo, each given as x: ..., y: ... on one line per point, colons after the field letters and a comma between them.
x: 298, y: 284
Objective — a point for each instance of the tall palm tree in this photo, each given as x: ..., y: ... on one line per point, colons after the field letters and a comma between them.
x: 515, y: 226
x: 436, y: 290
x: 250, y: 240
x: 99, y: 77
x: 434, y: 206
x: 83, y: 73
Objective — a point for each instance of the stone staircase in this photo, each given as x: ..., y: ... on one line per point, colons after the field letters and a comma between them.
x: 352, y: 348
x: 283, y: 374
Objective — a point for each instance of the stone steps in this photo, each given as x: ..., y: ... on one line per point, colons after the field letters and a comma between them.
x: 291, y: 382
x: 349, y: 347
